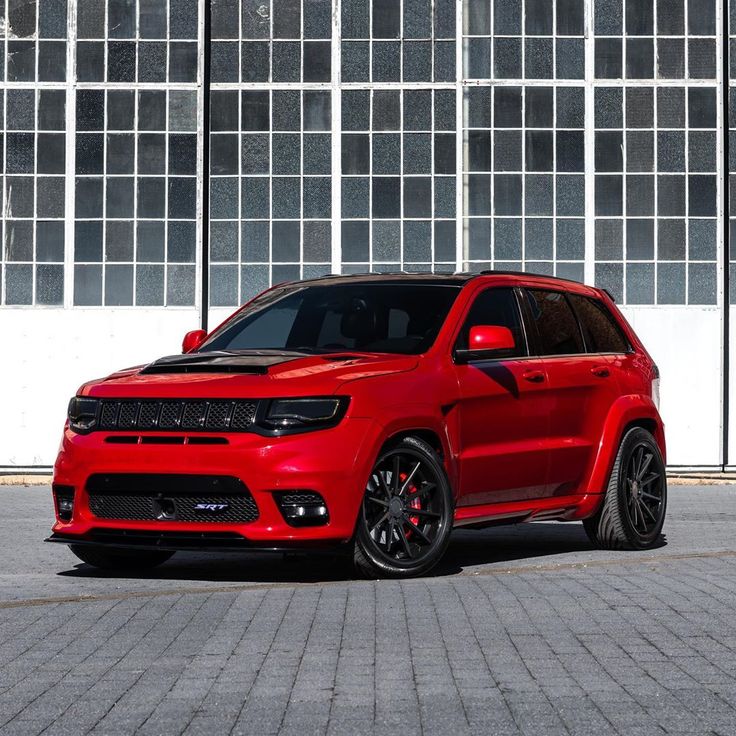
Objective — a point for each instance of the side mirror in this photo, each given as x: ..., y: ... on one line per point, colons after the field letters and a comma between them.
x: 192, y: 340
x: 485, y: 342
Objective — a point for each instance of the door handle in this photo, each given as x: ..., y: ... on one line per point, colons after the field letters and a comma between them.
x: 601, y: 371
x: 533, y: 376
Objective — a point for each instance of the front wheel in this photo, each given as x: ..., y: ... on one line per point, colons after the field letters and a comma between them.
x: 119, y: 559
x: 635, y: 502
x: 406, y: 516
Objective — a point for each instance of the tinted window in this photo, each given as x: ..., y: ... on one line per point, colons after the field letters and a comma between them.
x: 359, y: 317
x: 602, y: 333
x: 494, y: 307
x: 557, y: 326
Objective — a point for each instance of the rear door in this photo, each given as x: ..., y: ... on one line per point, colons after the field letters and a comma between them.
x: 582, y: 387
x: 503, y: 416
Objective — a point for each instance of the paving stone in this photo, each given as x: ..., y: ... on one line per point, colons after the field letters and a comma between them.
x: 521, y: 631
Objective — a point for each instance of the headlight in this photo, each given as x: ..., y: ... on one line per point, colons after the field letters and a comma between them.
x: 82, y: 414
x: 295, y: 415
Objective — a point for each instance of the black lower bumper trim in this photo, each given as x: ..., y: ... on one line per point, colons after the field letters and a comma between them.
x: 186, y: 541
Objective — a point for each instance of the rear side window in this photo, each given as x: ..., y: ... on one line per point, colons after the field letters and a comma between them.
x: 494, y: 307
x: 602, y: 332
x: 556, y: 324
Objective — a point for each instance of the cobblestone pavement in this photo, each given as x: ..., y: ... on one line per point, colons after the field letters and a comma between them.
x: 522, y: 630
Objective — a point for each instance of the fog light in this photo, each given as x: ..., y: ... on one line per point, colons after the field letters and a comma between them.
x: 64, y: 499
x: 302, y: 508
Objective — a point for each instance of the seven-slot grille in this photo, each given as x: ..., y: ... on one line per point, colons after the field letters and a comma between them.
x: 190, y: 498
x: 176, y: 415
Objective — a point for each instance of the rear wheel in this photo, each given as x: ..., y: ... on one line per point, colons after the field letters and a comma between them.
x: 406, y: 516
x: 635, y: 502
x: 119, y: 559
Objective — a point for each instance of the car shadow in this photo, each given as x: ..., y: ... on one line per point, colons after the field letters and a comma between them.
x: 539, y: 543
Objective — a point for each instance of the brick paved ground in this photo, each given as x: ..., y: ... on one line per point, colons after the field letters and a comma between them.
x: 523, y: 630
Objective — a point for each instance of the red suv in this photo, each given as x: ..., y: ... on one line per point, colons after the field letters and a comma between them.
x: 373, y: 412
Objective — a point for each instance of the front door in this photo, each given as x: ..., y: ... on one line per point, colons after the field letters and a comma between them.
x: 503, y: 411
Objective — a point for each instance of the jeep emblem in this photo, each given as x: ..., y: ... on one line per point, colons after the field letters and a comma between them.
x: 211, y: 508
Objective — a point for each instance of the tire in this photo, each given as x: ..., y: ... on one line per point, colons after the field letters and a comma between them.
x: 119, y: 559
x: 635, y: 502
x: 406, y: 516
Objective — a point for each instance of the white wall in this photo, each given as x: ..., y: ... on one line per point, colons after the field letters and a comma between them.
x: 732, y: 398
x: 685, y: 342
x: 49, y: 353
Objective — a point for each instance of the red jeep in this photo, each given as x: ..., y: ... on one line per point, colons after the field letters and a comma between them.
x: 376, y: 412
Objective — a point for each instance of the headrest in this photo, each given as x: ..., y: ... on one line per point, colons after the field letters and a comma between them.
x: 359, y: 321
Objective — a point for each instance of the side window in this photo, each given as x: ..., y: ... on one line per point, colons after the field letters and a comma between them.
x: 602, y: 332
x: 557, y: 326
x: 494, y: 307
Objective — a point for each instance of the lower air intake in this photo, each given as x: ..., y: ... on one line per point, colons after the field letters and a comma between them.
x: 302, y: 508
x: 187, y: 498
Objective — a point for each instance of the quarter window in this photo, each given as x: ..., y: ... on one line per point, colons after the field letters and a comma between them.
x: 557, y: 326
x: 602, y: 334
x: 494, y: 307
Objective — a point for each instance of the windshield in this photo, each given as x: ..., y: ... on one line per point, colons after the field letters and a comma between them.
x: 360, y: 317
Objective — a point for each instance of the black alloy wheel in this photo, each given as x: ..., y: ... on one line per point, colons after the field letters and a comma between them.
x: 644, y: 487
x: 634, y: 505
x: 406, y: 515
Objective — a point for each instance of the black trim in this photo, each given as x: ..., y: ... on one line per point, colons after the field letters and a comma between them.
x: 206, y: 64
x: 187, y: 541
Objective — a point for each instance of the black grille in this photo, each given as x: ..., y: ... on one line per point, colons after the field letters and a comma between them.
x: 191, y: 498
x: 193, y: 416
x: 243, y: 415
x: 300, y: 498
x: 148, y: 414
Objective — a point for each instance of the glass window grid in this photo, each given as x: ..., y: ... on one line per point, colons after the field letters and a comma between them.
x: 121, y: 51
x: 696, y: 49
x: 239, y: 277
x: 375, y: 49
x: 730, y: 207
x: 32, y: 277
x: 657, y: 279
x: 289, y: 44
x: 495, y: 222
x: 655, y: 35
x: 378, y: 226
x: 489, y: 41
x: 174, y: 276
x: 35, y: 52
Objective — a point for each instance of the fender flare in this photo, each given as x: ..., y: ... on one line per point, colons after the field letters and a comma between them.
x: 408, y: 417
x: 626, y: 410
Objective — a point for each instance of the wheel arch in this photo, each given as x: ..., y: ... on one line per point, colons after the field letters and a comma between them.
x: 434, y: 434
x: 626, y: 413
x: 423, y: 433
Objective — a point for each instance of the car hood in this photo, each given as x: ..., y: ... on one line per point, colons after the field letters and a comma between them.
x: 248, y: 374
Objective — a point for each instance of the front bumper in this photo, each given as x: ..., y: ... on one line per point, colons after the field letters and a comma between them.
x: 335, y: 463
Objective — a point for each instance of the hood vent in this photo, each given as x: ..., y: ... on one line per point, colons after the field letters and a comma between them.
x: 219, y: 362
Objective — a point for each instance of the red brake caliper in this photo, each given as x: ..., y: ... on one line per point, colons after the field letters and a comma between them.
x: 414, y: 503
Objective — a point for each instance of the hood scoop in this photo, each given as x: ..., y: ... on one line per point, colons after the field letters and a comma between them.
x: 218, y: 362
